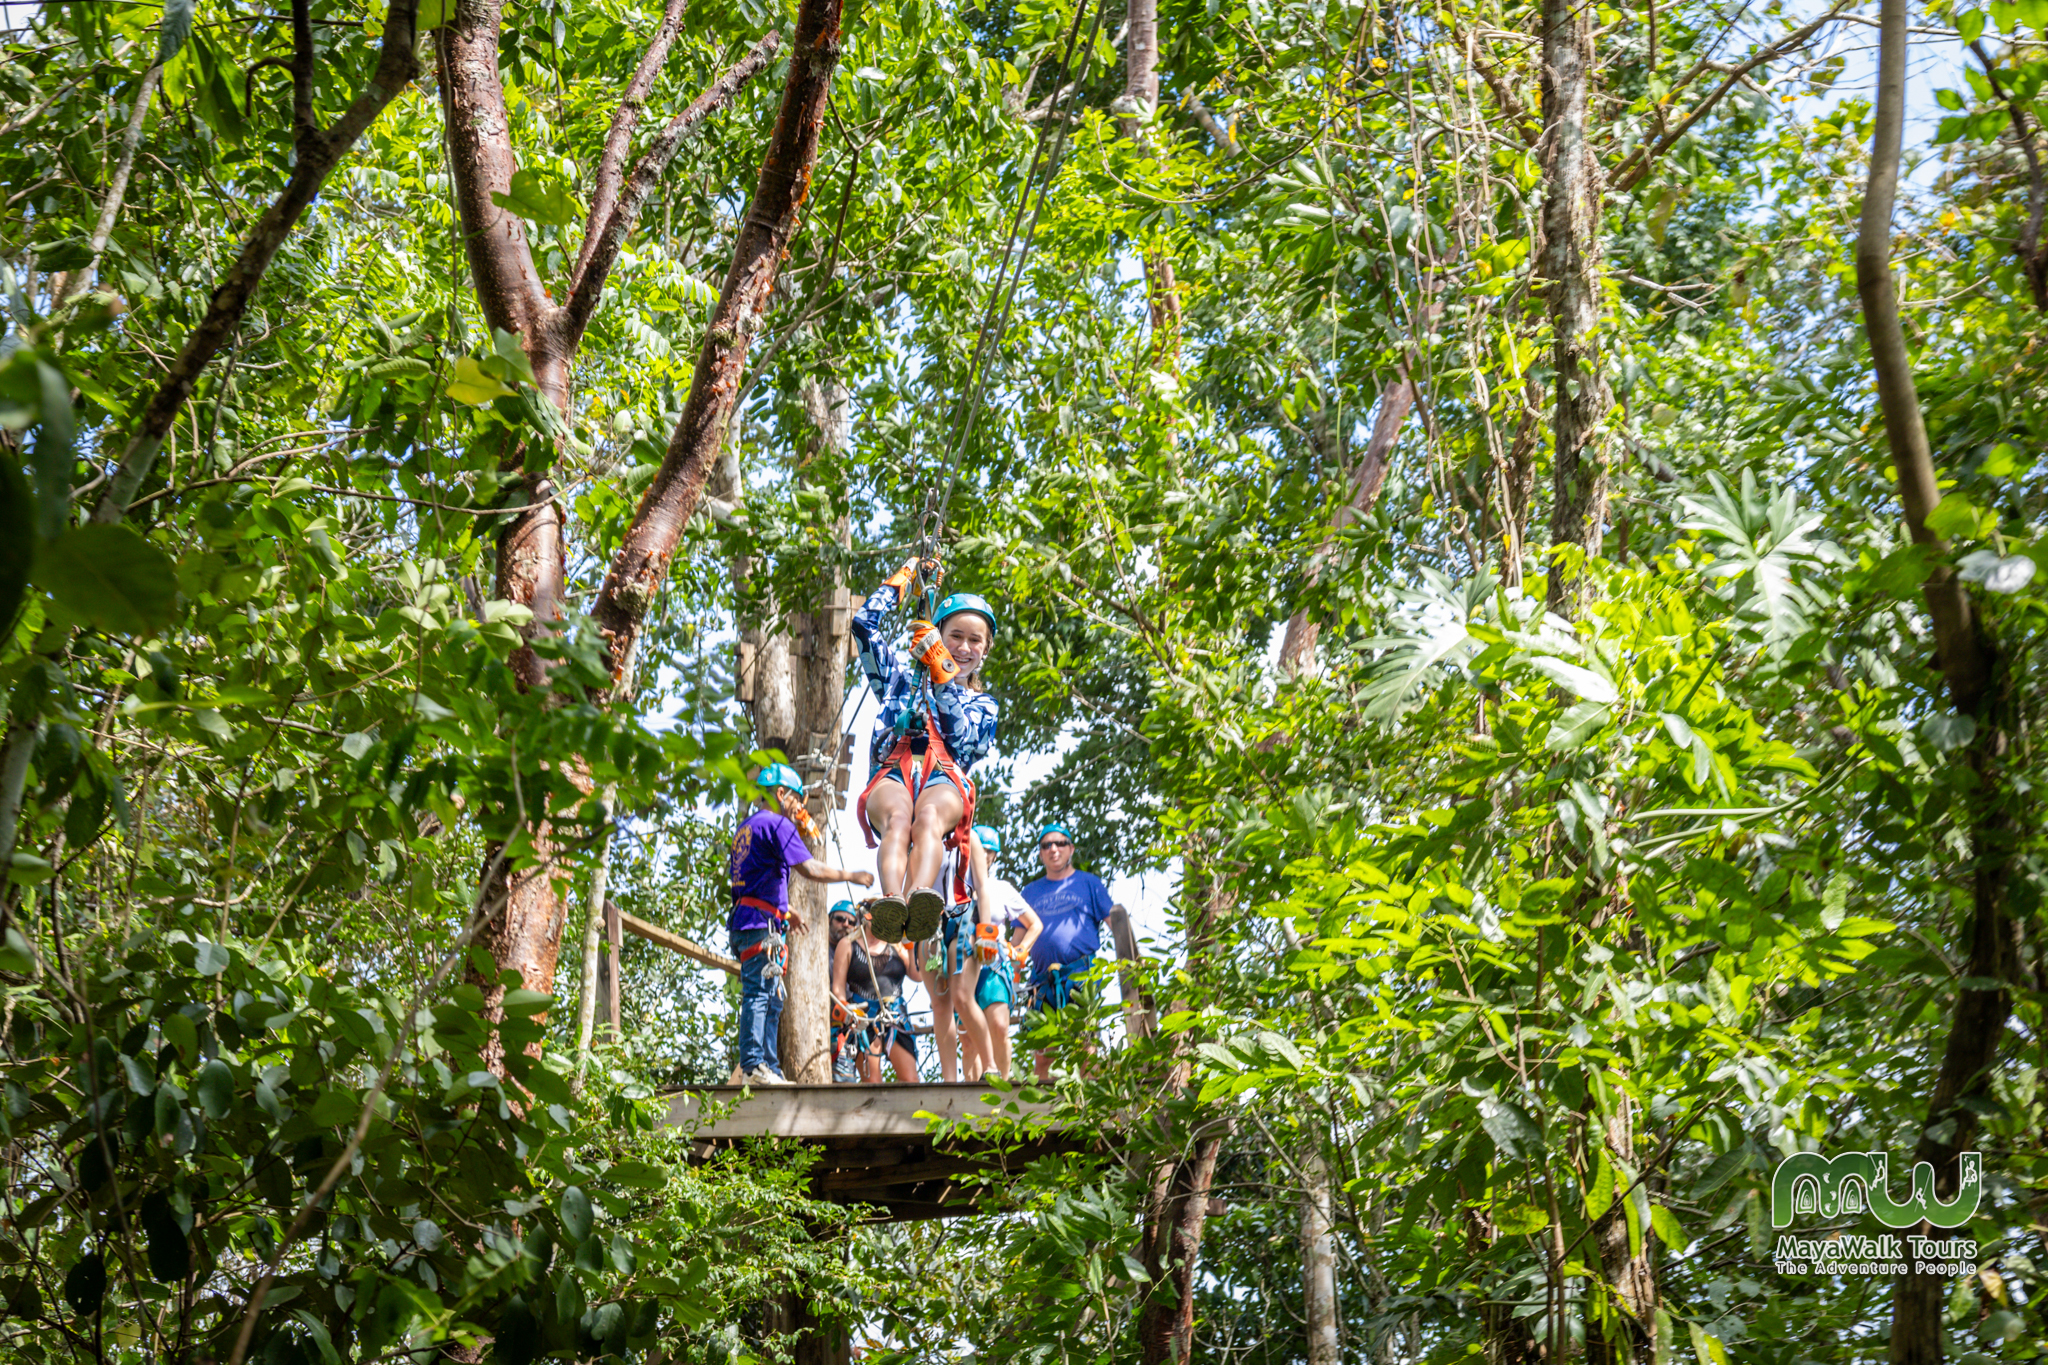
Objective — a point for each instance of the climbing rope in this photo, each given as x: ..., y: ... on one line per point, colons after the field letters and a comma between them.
x: 995, y: 319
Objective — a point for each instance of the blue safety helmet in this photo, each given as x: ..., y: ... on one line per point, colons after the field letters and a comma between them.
x: 967, y: 601
x: 989, y: 837
x: 781, y: 775
x: 1053, y: 826
x: 843, y: 908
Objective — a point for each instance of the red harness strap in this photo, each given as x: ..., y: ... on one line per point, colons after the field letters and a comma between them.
x: 901, y: 759
x: 774, y: 912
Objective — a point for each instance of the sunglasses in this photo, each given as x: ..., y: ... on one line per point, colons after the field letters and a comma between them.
x: 1054, y: 843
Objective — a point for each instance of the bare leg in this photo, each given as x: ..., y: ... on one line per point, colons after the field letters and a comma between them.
x: 942, y: 1033
x: 889, y: 815
x: 905, y: 1063
x: 938, y: 813
x: 998, y: 1017
x: 972, y: 1021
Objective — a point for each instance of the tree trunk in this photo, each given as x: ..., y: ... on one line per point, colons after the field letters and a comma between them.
x: 1177, y: 1206
x: 1570, y: 267
x: 1368, y: 478
x: 815, y: 656
x: 642, y: 563
x: 1630, y: 1278
x: 525, y: 934
x: 1140, y: 103
x: 1318, y: 1261
x: 1970, y: 667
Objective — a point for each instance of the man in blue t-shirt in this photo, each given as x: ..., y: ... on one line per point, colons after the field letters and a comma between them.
x: 1072, y: 906
x: 767, y: 848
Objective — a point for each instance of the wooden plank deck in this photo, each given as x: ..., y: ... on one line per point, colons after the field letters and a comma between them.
x: 874, y: 1141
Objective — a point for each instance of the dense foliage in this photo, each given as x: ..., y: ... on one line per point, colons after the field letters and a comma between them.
x: 1520, y: 932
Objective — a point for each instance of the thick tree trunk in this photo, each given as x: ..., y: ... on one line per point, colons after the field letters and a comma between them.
x: 815, y: 655
x: 1971, y: 668
x: 1318, y: 1260
x: 526, y: 935
x: 642, y: 563
x: 1570, y: 267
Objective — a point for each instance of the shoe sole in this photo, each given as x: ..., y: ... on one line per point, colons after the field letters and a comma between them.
x: 887, y: 916
x: 927, y: 908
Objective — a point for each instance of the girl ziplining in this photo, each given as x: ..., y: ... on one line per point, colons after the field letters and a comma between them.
x: 934, y: 725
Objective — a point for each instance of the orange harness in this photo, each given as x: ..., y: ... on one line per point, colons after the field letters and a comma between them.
x: 902, y: 759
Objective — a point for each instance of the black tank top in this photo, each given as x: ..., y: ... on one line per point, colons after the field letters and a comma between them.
x: 880, y: 976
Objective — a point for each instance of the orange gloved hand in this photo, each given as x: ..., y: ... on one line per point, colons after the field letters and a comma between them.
x: 900, y: 580
x: 931, y: 651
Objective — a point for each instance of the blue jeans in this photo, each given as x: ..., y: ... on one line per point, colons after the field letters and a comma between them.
x: 760, y: 1003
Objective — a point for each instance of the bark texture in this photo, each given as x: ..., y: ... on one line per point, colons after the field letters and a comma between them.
x: 1139, y: 104
x: 1318, y: 1260
x: 1177, y: 1205
x: 1570, y: 266
x: 814, y: 653
x: 63, y: 287
x: 642, y: 564
x: 1627, y: 1333
x: 527, y: 935
x: 1972, y: 671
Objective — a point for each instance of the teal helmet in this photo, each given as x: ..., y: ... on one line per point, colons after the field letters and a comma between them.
x: 966, y: 601
x: 843, y: 908
x: 989, y: 837
x: 781, y: 775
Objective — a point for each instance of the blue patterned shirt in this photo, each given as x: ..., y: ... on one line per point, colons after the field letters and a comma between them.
x: 967, y: 719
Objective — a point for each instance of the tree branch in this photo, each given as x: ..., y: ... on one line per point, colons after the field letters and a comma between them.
x: 602, y: 249
x: 396, y: 66
x: 1637, y: 163
x: 1962, y: 658
x: 305, y: 132
x: 2033, y: 260
x: 117, y: 187
x: 618, y: 140
x: 641, y: 566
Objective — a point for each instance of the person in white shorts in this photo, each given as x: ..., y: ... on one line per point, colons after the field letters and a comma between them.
x: 1008, y: 928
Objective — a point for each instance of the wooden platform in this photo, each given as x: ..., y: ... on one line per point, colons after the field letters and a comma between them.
x: 875, y: 1144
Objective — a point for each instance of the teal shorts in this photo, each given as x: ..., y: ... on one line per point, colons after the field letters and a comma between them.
x: 996, y: 986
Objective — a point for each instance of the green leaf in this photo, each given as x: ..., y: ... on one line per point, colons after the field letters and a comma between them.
x: 180, y: 1032
x: 1667, y: 1227
x: 636, y: 1175
x: 434, y: 13
x: 1509, y: 1127
x: 576, y: 1217
x: 15, y: 954
x: 210, y: 959
x: 539, y: 198
x: 1706, y: 1347
x: 521, y: 1003
x: 1521, y: 1220
x: 471, y: 385
x: 1970, y: 27
x: 335, y: 1107
x: 173, y: 29
x: 1580, y: 682
x: 1571, y: 730
x: 215, y: 1089
x: 110, y: 576
x: 1956, y: 517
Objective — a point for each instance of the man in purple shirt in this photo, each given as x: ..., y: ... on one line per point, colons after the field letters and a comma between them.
x: 767, y: 848
x: 1071, y: 905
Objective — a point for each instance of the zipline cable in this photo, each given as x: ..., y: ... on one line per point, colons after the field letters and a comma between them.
x: 932, y: 523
